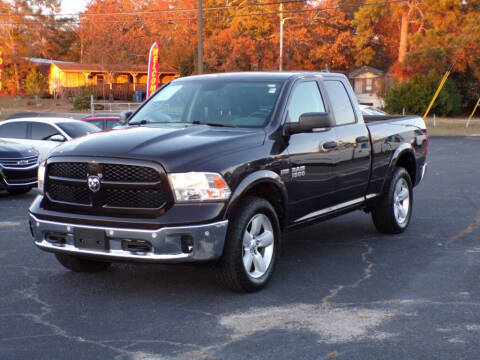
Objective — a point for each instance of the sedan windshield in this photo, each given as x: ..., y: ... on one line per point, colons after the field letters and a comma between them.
x: 77, y: 128
x: 214, y: 102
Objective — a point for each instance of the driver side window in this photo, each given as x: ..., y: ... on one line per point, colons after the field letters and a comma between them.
x: 305, y: 98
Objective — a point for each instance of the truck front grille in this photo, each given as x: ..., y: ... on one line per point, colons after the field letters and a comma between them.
x: 70, y: 194
x: 122, y: 186
x: 70, y: 170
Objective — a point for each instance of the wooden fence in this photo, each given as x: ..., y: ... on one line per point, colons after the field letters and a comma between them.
x: 118, y: 91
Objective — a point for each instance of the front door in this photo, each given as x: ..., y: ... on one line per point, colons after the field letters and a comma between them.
x: 311, y: 157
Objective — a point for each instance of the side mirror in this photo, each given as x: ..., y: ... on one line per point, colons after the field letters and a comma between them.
x: 57, y: 137
x: 310, y: 122
x: 124, y: 116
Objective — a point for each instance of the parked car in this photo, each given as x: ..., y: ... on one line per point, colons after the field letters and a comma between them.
x: 44, y: 134
x: 104, y: 121
x: 370, y: 110
x: 18, y: 167
x: 31, y: 114
x: 216, y: 167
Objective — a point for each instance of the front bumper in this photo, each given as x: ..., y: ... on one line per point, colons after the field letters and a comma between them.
x: 18, y: 177
x: 167, y: 244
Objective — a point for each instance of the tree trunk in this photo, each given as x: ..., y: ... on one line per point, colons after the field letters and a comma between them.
x: 17, y: 78
x: 402, y: 51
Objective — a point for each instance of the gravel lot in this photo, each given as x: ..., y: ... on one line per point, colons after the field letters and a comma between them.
x: 341, y: 289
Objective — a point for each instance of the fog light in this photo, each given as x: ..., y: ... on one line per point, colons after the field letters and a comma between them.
x: 187, y: 243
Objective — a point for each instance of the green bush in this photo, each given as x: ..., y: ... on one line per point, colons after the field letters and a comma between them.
x: 415, y: 96
x: 36, y: 83
x: 81, y: 102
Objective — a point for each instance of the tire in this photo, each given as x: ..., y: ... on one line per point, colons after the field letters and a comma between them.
x: 79, y: 264
x: 391, y: 215
x: 19, y: 191
x: 254, y: 219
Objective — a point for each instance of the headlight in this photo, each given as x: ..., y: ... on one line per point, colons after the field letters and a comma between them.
x: 197, y: 186
x: 41, y: 177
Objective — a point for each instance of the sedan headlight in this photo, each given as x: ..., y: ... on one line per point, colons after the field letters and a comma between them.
x: 41, y: 177
x: 199, y: 186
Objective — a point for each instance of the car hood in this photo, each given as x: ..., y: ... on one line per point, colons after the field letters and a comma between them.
x: 176, y: 147
x: 13, y: 150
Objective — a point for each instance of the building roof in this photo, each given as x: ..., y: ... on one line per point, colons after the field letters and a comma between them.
x: 107, y: 68
x: 365, y: 69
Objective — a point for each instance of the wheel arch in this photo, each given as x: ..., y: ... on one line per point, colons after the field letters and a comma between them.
x: 403, y: 156
x: 264, y: 184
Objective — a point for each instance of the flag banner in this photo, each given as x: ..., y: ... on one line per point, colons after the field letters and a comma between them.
x: 153, y: 69
x: 1, y: 71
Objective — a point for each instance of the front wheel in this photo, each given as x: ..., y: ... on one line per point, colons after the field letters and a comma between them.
x: 392, y: 214
x: 251, y: 247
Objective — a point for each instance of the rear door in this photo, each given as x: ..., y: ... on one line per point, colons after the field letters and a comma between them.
x: 312, y: 184
x: 352, y: 167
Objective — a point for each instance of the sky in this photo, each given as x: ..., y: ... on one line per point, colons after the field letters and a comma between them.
x: 73, y: 6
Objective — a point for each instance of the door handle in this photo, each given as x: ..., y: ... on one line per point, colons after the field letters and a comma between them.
x: 362, y: 139
x: 330, y: 145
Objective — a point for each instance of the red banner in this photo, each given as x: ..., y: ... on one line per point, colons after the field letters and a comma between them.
x: 1, y: 71
x: 153, y: 69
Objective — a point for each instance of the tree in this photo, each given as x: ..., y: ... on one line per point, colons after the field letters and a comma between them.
x: 36, y: 83
x: 415, y: 95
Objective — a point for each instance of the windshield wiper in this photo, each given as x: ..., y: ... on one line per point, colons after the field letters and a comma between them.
x: 141, y: 122
x: 196, y: 122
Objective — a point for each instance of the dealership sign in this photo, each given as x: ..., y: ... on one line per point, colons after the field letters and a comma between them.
x: 153, y: 69
x: 1, y: 71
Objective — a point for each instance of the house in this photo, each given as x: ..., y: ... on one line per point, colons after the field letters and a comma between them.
x: 116, y: 82
x: 370, y: 85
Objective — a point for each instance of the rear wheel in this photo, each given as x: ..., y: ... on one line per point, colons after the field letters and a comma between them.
x: 392, y: 214
x: 79, y: 264
x: 251, y: 247
x: 19, y: 190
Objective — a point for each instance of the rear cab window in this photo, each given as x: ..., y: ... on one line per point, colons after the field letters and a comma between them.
x: 340, y: 102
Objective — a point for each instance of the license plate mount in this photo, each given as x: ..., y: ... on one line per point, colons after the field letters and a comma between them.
x: 90, y: 239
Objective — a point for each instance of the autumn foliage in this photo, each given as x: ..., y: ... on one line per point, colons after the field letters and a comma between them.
x: 404, y: 37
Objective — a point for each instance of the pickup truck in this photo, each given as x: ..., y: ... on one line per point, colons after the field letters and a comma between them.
x: 214, y: 168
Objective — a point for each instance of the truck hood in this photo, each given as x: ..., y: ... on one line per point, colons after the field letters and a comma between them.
x: 176, y: 147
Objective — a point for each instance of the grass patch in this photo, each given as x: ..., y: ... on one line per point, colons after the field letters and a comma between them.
x: 453, y: 127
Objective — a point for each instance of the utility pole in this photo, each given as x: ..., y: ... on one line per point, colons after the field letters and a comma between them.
x: 280, y: 59
x: 200, y: 38
x: 280, y: 65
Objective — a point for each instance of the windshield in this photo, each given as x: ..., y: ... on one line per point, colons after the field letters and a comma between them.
x: 77, y: 128
x: 215, y: 102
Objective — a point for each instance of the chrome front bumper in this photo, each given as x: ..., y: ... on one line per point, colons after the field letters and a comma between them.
x: 166, y: 243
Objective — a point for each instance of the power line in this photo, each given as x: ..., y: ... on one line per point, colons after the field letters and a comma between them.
x: 173, y: 11
x: 170, y: 20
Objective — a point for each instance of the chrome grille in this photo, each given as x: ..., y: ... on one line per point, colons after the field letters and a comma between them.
x: 19, y: 163
x: 122, y: 186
